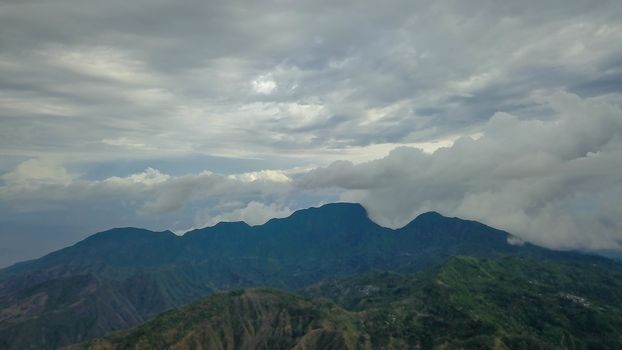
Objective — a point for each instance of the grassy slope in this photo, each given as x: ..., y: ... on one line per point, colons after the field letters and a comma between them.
x: 467, y: 303
x: 249, y: 319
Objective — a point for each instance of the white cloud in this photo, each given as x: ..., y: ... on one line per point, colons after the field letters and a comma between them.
x: 126, y: 143
x: 36, y: 172
x: 148, y: 177
x: 264, y: 84
x: 556, y: 183
x: 97, y: 61
x: 263, y: 175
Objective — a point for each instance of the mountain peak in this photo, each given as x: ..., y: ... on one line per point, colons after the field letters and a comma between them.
x: 430, y: 215
x: 342, y: 212
x: 426, y: 219
x: 126, y: 233
x: 232, y: 224
x: 340, y: 207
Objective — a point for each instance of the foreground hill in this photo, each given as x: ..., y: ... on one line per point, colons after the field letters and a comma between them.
x: 248, y: 319
x: 465, y: 303
x: 123, y: 277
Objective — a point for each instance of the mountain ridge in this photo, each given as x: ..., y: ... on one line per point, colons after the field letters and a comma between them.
x: 136, y: 232
x: 153, y: 272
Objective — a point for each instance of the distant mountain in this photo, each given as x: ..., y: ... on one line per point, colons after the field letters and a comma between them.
x: 122, y: 277
x: 465, y: 303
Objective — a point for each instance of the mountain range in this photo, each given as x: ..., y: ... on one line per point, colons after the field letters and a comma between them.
x: 123, y: 277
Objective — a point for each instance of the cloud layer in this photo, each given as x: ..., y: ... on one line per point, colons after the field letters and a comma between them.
x: 84, y: 80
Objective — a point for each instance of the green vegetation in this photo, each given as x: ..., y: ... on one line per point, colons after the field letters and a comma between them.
x: 122, y: 277
x: 248, y: 319
x: 465, y: 303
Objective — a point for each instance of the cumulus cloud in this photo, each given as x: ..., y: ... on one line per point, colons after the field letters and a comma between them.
x: 35, y: 172
x: 264, y: 85
x: 151, y: 191
x: 263, y: 175
x: 554, y: 182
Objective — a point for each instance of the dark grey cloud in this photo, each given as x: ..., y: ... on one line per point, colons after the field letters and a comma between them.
x: 180, y: 77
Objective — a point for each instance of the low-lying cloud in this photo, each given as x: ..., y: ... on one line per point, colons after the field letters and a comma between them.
x: 555, y: 182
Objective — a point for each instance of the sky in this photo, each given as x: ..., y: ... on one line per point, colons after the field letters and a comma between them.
x: 180, y: 114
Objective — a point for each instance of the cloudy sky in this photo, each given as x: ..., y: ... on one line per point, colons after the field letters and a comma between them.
x: 180, y: 114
